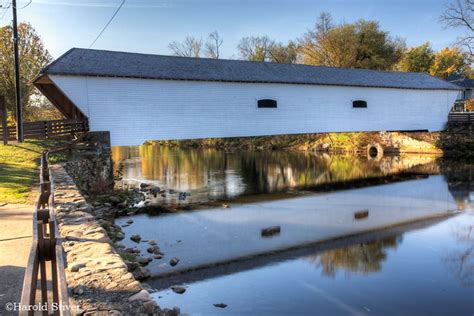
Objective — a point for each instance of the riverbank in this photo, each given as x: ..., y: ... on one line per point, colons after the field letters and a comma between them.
x: 442, y: 143
x: 98, y: 276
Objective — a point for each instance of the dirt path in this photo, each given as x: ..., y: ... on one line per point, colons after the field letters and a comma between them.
x: 15, y: 242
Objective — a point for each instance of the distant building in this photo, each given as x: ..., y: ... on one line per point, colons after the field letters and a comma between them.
x: 466, y: 95
x: 466, y: 84
x: 140, y: 97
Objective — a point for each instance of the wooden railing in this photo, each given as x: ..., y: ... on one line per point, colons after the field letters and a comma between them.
x: 461, y: 117
x: 46, y: 129
x: 46, y: 248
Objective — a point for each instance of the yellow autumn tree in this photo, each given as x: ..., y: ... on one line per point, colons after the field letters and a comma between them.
x: 448, y: 61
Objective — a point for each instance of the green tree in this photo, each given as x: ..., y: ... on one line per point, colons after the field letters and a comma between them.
x: 417, y: 59
x: 449, y: 61
x: 354, y: 45
x: 33, y: 57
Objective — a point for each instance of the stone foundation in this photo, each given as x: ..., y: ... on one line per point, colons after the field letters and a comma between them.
x: 97, y: 277
x: 91, y: 163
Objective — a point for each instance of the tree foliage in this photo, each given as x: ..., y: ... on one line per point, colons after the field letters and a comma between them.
x: 33, y: 57
x: 449, y: 61
x: 417, y: 59
x: 262, y: 48
x: 354, y: 45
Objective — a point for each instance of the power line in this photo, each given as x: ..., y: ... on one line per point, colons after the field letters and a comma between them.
x: 106, y: 25
x: 26, y: 5
x: 6, y: 10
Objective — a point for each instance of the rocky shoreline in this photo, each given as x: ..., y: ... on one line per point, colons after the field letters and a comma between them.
x: 100, y: 279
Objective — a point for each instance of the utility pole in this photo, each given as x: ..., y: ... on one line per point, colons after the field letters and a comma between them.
x: 19, y: 114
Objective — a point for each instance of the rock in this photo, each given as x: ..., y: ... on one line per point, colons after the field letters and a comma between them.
x: 144, y: 185
x: 120, y: 236
x: 174, y: 261
x: 150, y: 307
x: 270, y: 231
x: 141, y: 273
x: 154, y: 250
x: 147, y: 287
x: 225, y: 205
x: 130, y: 221
x: 152, y: 242
x: 158, y: 256
x: 220, y: 305
x: 183, y: 195
x: 132, y: 266
x: 114, y: 199
x: 143, y: 295
x: 120, y: 245
x: 136, y: 238
x: 129, y: 250
x: 122, y: 205
x: 143, y: 260
x: 107, y: 204
x: 79, y: 290
x: 178, y: 289
x: 155, y: 191
x: 76, y: 267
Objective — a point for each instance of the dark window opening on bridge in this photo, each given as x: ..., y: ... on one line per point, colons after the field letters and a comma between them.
x: 359, y: 104
x: 267, y: 103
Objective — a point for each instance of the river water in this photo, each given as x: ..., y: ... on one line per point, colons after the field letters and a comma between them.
x: 356, y: 236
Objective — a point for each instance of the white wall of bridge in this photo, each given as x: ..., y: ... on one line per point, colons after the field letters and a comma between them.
x: 136, y: 110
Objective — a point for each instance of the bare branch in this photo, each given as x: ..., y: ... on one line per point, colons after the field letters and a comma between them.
x: 460, y: 14
x: 213, y: 45
x: 191, y: 47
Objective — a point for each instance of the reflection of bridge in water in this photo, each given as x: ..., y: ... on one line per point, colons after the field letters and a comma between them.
x: 220, y: 235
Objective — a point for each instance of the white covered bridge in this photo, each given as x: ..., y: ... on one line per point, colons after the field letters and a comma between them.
x: 139, y: 97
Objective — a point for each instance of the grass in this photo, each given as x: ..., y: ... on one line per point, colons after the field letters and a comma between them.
x: 19, y: 168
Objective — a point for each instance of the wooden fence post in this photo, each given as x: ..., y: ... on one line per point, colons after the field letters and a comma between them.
x: 3, y: 114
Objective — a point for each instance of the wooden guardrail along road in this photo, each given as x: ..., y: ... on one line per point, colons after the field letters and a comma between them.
x: 46, y: 254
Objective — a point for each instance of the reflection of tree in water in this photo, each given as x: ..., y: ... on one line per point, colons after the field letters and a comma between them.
x: 229, y: 175
x: 361, y: 258
x: 461, y: 262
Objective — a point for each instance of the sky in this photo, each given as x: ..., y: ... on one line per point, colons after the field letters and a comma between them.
x: 148, y: 26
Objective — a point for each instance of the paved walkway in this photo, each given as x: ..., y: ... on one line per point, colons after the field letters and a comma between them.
x: 15, y: 243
